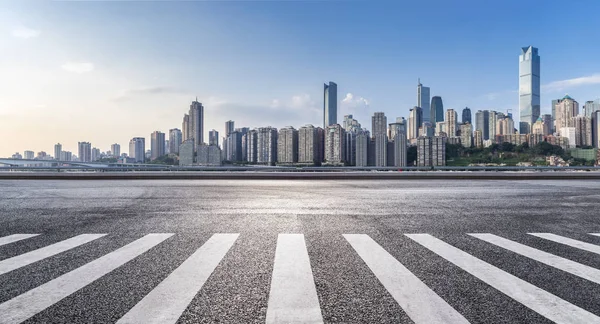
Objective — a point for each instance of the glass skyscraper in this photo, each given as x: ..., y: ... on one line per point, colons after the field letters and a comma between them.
x: 423, y: 101
x: 437, y: 110
x: 466, y: 116
x: 529, y: 88
x: 329, y: 104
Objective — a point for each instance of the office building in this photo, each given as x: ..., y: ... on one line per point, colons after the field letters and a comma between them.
x: 400, y: 126
x: 565, y: 109
x: 436, y: 111
x: 229, y: 127
x: 266, y: 148
x: 213, y: 138
x: 415, y: 120
x: 232, y: 146
x: 95, y: 154
x: 175, y: 140
x: 287, y: 145
x: 334, y: 145
x: 185, y: 128
x: 350, y: 147
x: 362, y: 142
x: 137, y: 149
x: 451, y: 122
x: 379, y: 129
x: 482, y: 123
x: 529, y: 88
x: 466, y: 116
x: 350, y: 124
x: 590, y: 107
x: 57, y: 151
x: 115, y: 150
x: 400, y: 149
x: 329, y: 104
x: 423, y: 101
x: 157, y: 145
x: 84, y: 151
x: 548, y: 124
x: 196, y: 123
x: 583, y: 131
x: 466, y: 135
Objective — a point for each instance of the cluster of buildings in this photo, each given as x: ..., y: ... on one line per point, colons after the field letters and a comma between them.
x: 429, y: 127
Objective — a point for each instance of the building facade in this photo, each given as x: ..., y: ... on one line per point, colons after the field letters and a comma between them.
x: 334, y: 145
x: 529, y: 88
x: 423, y: 98
x: 466, y: 135
x: 451, y: 122
x: 400, y: 149
x: 415, y: 120
x: 84, y: 151
x: 287, y: 145
x: 466, y: 116
x: 115, y: 149
x: 379, y: 129
x: 565, y: 109
x: 137, y: 149
x: 57, y: 151
x: 196, y: 123
x: 437, y: 110
x: 266, y: 147
x: 329, y: 104
x: 157, y: 145
x: 362, y: 150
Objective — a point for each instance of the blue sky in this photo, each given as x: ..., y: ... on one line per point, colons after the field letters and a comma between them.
x: 107, y: 71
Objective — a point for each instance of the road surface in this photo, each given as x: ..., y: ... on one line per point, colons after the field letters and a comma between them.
x: 292, y: 251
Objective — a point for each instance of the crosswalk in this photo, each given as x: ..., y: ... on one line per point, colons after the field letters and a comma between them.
x: 294, y: 296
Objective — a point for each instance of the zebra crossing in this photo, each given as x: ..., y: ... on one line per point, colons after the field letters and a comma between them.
x: 293, y: 295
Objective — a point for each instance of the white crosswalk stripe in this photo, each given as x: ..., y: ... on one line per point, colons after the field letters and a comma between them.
x: 421, y: 303
x: 180, y: 287
x: 569, y: 241
x: 15, y: 238
x: 572, y: 267
x: 537, y: 299
x: 22, y: 260
x: 293, y: 296
x: 595, y: 234
x: 36, y: 300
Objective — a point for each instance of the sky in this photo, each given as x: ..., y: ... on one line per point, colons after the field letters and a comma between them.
x: 106, y: 71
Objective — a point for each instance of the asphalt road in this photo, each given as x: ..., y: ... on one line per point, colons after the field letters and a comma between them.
x: 223, y: 251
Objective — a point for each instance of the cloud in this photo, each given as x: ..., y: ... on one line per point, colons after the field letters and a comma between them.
x: 352, y: 100
x: 25, y: 33
x: 571, y: 83
x: 146, y: 91
x: 78, y: 67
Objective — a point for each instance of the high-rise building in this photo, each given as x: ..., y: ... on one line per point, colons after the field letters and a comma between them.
x: 482, y: 123
x: 175, y: 140
x: 379, y: 127
x: 362, y: 142
x: 266, y: 148
x: 115, y: 149
x: 16, y: 156
x: 571, y: 134
x: 548, y: 124
x: 185, y: 128
x: 478, y: 139
x: 493, y: 118
x: 554, y: 103
x: 287, y: 145
x: 196, y: 123
x: 415, y: 120
x: 466, y: 135
x: 57, y: 150
x: 583, y: 130
x: 529, y: 88
x: 209, y: 155
x: 351, y: 124
x: 229, y: 127
x: 565, y: 109
x: 423, y: 98
x: 466, y: 116
x: 596, y: 129
x: 350, y: 147
x: 451, y: 122
x: 539, y: 127
x: 436, y: 111
x: 213, y: 137
x: 157, y: 144
x: 504, y: 126
x: 95, y: 154
x: 252, y: 146
x: 186, y: 153
x: 329, y: 104
x: 28, y: 155
x: 309, y: 145
x: 334, y: 144
x: 233, y: 146
x: 431, y: 151
x: 66, y: 156
x: 137, y: 149
x: 84, y: 151
x: 400, y: 149
x: 399, y: 126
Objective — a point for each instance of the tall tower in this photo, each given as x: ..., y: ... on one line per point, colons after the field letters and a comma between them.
x: 329, y: 104
x: 529, y: 88
x: 57, y: 151
x: 196, y: 123
x: 466, y: 116
x: 437, y: 110
x: 423, y: 101
x: 379, y: 129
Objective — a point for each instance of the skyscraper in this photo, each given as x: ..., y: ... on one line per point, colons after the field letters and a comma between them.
x: 596, y: 129
x: 362, y: 142
x: 437, y: 110
x: 466, y: 135
x: 213, y: 138
x: 137, y: 149
x: 329, y: 104
x: 400, y: 150
x: 229, y: 127
x: 196, y: 123
x: 451, y: 125
x: 379, y: 129
x: 334, y: 144
x: 84, y: 151
x: 529, y: 88
x: 565, y: 109
x: 482, y: 123
x: 251, y: 146
x: 185, y: 128
x: 266, y: 148
x: 175, y: 139
x: 287, y: 145
x: 423, y: 101
x: 466, y: 116
x: 95, y: 154
x: 157, y: 144
x: 57, y: 151
x: 308, y: 144
x: 115, y: 149
x: 415, y: 120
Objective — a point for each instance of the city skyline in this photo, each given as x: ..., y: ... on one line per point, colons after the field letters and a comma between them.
x: 62, y: 86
